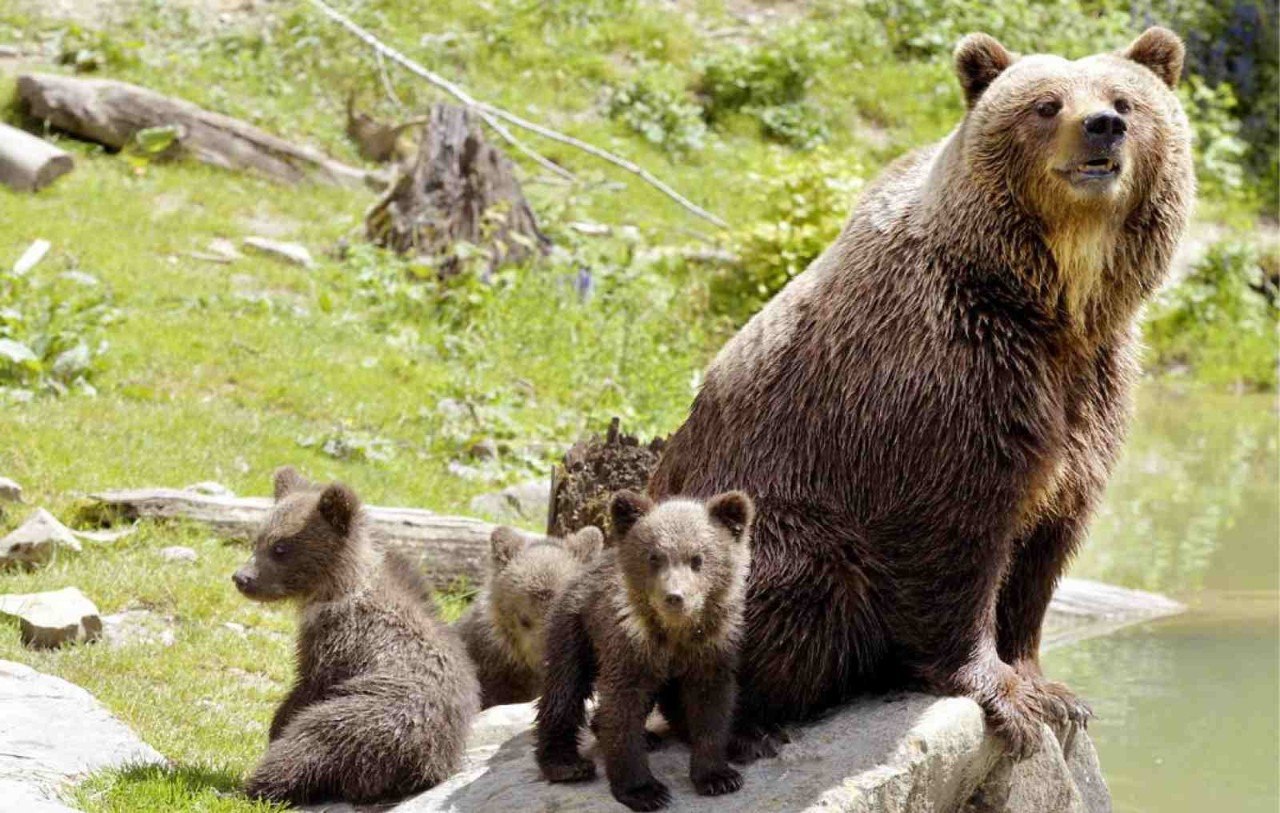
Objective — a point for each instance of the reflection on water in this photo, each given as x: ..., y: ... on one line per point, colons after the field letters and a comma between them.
x: 1187, y: 707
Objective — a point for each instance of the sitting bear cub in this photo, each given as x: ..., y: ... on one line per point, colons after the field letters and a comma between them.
x: 384, y: 692
x: 504, y: 628
x: 655, y: 620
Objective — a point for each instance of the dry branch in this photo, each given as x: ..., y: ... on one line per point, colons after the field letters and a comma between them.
x: 112, y: 113
x: 491, y: 115
x: 28, y: 163
x: 445, y: 547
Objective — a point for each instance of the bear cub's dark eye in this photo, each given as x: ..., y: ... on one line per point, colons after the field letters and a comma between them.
x: 1048, y: 108
x: 279, y: 550
x: 655, y: 559
x: 696, y: 562
x: 1123, y: 107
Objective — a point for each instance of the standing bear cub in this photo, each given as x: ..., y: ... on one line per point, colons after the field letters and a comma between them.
x: 384, y: 692
x: 505, y: 626
x: 655, y: 620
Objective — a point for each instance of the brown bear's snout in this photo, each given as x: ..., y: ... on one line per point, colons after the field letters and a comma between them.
x: 1104, y: 129
x: 245, y: 581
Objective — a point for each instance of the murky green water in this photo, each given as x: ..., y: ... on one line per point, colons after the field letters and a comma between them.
x: 1188, y: 708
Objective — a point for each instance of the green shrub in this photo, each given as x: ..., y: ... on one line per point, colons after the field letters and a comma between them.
x: 1219, y: 152
x: 655, y: 104
x: 1218, y: 322
x: 803, y: 201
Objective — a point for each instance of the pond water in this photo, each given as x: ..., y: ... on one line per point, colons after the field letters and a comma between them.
x: 1188, y: 708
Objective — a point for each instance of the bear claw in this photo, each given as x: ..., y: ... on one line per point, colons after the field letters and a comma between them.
x: 649, y: 795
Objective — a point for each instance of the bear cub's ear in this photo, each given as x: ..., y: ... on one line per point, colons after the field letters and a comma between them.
x: 585, y: 544
x: 504, y: 544
x: 734, y: 510
x: 338, y: 506
x: 979, y: 60
x: 626, y: 510
x: 1161, y: 51
x: 286, y: 480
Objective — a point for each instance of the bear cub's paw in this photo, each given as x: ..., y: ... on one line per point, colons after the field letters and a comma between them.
x: 746, y: 745
x: 575, y: 770
x: 648, y: 795
x: 717, y: 781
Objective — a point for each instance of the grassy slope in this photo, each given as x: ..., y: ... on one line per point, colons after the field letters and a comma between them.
x: 201, y: 383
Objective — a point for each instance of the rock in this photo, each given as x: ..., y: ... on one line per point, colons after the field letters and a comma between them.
x: 177, y: 554
x: 289, y: 252
x: 526, y: 501
x: 1083, y: 609
x: 37, y: 540
x: 9, y: 491
x: 137, y: 627
x: 210, y: 488
x: 53, y: 733
x: 49, y: 620
x: 905, y: 754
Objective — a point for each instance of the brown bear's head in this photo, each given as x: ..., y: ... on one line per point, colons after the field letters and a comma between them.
x: 681, y: 555
x: 1068, y: 138
x: 310, y: 541
x: 525, y: 575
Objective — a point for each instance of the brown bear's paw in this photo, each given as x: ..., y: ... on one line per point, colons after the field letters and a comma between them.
x: 751, y: 742
x: 1017, y: 717
x: 716, y: 781
x: 648, y: 795
x: 1059, y: 704
x: 574, y: 769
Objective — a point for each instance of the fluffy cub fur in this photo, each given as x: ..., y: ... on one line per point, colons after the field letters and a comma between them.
x: 655, y: 620
x: 384, y: 692
x: 505, y: 628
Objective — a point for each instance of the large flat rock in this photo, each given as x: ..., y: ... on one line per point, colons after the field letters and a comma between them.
x: 53, y: 732
x: 49, y: 620
x: 909, y: 753
x: 37, y: 541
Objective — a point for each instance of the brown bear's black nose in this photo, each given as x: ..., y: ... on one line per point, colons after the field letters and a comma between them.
x: 675, y: 600
x: 1105, y: 128
x: 242, y: 580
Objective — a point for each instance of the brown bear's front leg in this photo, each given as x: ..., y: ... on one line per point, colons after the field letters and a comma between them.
x: 1038, y: 563
x: 708, y: 698
x: 300, y: 696
x: 621, y: 714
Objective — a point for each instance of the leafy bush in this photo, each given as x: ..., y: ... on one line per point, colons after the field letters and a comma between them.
x: 1219, y: 321
x: 1219, y: 152
x: 51, y: 331
x: 654, y: 104
x: 803, y: 202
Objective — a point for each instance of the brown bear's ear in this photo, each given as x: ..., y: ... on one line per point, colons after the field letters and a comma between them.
x: 287, y: 480
x: 734, y: 510
x: 979, y: 60
x: 338, y: 506
x: 504, y: 544
x: 1161, y: 51
x: 626, y: 510
x: 585, y: 544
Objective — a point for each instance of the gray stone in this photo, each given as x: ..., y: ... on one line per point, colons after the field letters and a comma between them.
x: 37, y: 540
x: 49, y: 620
x: 10, y: 491
x: 526, y: 501
x: 1083, y: 609
x: 53, y: 733
x: 289, y: 252
x: 905, y: 754
x: 177, y: 554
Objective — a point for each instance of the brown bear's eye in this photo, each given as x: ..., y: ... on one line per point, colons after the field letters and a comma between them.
x: 654, y: 560
x: 1123, y: 107
x: 696, y: 562
x: 1048, y: 109
x: 280, y: 550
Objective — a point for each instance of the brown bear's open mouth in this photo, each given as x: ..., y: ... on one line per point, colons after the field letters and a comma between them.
x: 1094, y: 170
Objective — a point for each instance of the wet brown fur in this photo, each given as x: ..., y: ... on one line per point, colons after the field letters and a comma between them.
x: 655, y: 620
x: 927, y: 416
x: 384, y: 693
x: 504, y: 628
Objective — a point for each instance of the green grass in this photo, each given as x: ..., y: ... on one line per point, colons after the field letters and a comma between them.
x: 222, y: 373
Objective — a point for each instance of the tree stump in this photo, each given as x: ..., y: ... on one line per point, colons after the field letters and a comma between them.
x: 592, y: 471
x: 459, y: 189
x: 27, y: 163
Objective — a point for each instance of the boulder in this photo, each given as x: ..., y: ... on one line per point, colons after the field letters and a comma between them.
x: 53, y: 733
x: 908, y: 753
x: 523, y: 502
x: 10, y: 491
x: 49, y: 620
x: 37, y: 540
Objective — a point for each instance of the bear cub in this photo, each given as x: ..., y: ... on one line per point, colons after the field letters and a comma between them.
x: 504, y: 628
x: 384, y: 692
x: 655, y: 620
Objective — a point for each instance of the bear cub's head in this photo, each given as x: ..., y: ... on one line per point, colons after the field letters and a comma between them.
x: 1094, y: 133
x: 525, y: 576
x: 312, y: 537
x: 681, y: 557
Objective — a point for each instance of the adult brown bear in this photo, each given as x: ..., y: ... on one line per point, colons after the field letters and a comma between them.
x: 927, y: 415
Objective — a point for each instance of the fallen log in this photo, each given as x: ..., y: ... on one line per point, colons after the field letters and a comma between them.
x: 112, y: 113
x: 446, y: 547
x: 28, y: 163
x: 460, y: 189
